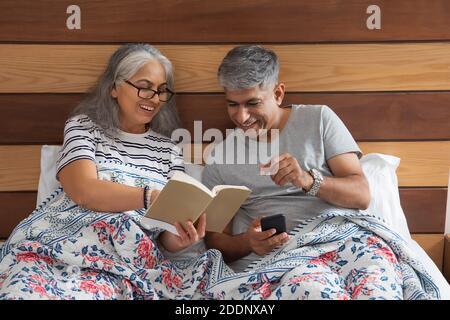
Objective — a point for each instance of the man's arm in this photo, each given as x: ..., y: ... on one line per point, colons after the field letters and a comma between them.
x: 238, y: 246
x: 347, y: 188
x: 232, y: 247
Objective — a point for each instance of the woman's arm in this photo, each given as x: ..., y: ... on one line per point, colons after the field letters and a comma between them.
x: 80, y: 182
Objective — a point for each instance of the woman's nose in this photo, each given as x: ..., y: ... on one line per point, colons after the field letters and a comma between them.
x: 155, y: 99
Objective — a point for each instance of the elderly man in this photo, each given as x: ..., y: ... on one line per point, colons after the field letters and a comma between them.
x: 317, y: 166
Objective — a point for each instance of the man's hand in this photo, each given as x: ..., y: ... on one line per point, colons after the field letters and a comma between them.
x: 262, y: 242
x: 285, y: 169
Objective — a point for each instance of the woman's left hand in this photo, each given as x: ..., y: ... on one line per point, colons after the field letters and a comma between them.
x: 187, y: 235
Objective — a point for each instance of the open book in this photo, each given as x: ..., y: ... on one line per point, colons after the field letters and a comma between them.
x: 184, y: 198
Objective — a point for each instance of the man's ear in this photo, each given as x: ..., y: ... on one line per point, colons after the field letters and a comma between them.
x: 279, y: 93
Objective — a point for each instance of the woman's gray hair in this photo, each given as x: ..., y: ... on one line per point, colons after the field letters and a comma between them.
x: 248, y: 66
x: 103, y: 109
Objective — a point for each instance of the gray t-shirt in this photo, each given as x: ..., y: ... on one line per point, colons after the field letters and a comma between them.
x: 313, y: 134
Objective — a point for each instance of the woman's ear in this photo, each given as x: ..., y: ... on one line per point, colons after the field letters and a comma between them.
x: 114, y: 92
x: 279, y: 93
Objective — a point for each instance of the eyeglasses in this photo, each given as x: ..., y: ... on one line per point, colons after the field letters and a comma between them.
x: 148, y: 93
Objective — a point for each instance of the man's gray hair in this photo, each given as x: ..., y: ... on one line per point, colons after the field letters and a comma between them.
x: 103, y: 109
x: 248, y: 66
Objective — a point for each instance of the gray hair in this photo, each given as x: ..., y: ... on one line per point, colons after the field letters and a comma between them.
x: 103, y: 109
x: 249, y: 66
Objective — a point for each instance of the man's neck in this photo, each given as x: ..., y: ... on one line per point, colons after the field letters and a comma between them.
x: 283, y: 118
x: 285, y: 112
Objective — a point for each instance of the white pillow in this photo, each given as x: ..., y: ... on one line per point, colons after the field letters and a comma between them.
x: 47, y: 179
x: 380, y: 171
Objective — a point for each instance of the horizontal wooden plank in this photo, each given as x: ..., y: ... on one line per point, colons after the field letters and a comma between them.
x: 224, y: 21
x: 35, y: 118
x: 423, y: 164
x: 15, y: 206
x: 369, y: 116
x: 39, y: 118
x: 388, y: 116
x: 433, y: 244
x: 424, y: 209
x: 19, y: 168
x: 304, y: 68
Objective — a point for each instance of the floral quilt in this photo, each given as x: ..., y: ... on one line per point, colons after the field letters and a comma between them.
x: 64, y: 251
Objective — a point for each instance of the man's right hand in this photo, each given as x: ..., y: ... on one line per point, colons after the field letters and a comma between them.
x: 262, y: 242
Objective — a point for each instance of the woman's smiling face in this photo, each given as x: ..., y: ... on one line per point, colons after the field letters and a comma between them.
x: 135, y: 112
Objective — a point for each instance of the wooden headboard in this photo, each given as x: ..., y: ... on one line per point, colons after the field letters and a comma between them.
x: 390, y: 86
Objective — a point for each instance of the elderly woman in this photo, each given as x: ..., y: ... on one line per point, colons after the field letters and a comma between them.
x: 124, y: 119
x: 85, y: 242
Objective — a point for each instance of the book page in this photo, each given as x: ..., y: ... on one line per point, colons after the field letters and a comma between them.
x: 148, y: 223
x: 178, y: 202
x: 183, y: 177
x: 218, y: 188
x: 224, y: 206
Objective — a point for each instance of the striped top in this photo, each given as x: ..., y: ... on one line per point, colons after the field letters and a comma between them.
x: 156, y: 154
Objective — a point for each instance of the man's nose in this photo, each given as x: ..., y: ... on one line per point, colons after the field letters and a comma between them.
x: 242, y: 115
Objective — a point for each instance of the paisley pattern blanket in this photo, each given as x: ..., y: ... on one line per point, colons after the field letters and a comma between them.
x: 63, y: 251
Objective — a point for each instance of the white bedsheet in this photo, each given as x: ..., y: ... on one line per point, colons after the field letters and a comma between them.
x: 443, y: 285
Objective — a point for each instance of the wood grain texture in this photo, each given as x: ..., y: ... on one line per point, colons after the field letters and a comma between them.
x: 35, y: 118
x: 19, y: 168
x: 433, y: 244
x: 224, y: 21
x: 424, y: 209
x: 39, y: 118
x: 422, y: 163
x: 310, y: 68
x: 15, y: 206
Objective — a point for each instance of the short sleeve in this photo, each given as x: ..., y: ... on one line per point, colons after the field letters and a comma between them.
x: 177, y: 161
x: 79, y: 142
x: 337, y: 138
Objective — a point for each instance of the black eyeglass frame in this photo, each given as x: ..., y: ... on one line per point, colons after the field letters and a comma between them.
x: 154, y: 92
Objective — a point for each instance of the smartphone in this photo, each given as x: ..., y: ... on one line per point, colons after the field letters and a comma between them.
x: 277, y: 221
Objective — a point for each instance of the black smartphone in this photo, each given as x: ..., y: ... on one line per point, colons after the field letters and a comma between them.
x: 277, y: 221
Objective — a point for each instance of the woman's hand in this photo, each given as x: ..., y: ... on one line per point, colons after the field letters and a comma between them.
x: 188, y: 235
